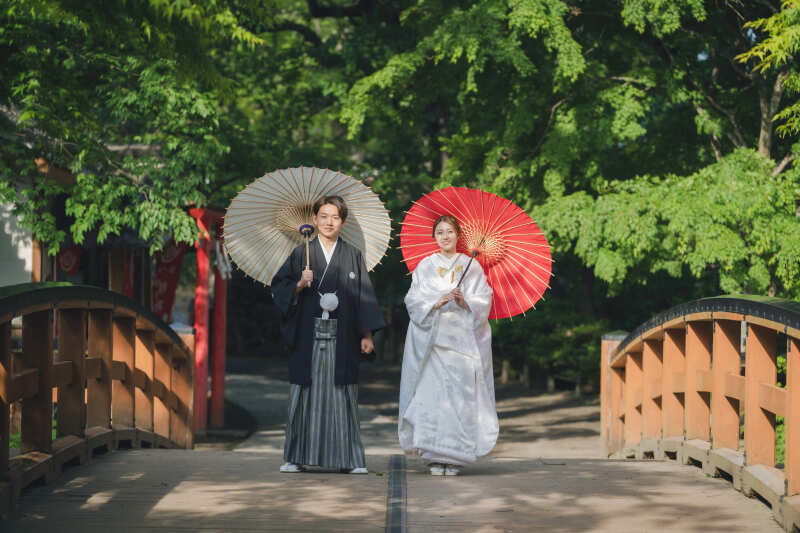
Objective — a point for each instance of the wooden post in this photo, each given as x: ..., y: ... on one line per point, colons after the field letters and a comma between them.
x: 605, y: 396
x: 71, y: 347
x: 122, y: 405
x: 633, y: 399
x: 617, y: 431
x: 792, y: 420
x: 181, y: 429
x: 98, y: 405
x: 5, y: 377
x: 37, y: 412
x: 608, y: 345
x: 672, y: 400
x: 217, y: 414
x: 116, y: 269
x: 144, y: 360
x: 146, y: 280
x: 651, y: 405
x: 36, y: 261
x: 760, y: 367
x: 611, y: 401
x: 724, y: 409
x: 203, y: 247
x: 698, y: 363
x: 162, y: 372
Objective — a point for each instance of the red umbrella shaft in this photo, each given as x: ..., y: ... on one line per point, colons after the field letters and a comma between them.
x: 473, y: 256
x: 474, y: 253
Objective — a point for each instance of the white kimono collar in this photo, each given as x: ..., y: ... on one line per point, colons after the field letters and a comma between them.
x: 328, y: 255
x: 446, y: 262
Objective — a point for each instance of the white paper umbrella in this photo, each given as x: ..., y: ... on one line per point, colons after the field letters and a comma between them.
x: 263, y: 221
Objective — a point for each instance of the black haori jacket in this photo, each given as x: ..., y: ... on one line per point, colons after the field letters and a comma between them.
x: 358, y: 310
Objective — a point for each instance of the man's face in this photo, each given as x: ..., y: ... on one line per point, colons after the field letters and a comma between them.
x: 328, y: 221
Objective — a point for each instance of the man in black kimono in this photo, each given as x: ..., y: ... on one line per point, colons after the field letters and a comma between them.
x: 323, y: 425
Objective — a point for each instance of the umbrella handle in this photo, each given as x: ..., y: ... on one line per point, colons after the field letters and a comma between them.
x: 474, y: 254
x: 307, y: 230
x: 308, y: 264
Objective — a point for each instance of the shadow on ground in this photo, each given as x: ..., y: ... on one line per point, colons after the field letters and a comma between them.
x: 565, y: 495
x: 546, y: 473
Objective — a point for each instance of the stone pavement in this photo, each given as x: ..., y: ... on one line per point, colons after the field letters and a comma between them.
x: 546, y: 474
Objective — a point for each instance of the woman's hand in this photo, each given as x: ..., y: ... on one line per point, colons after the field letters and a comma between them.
x: 458, y: 296
x: 443, y: 301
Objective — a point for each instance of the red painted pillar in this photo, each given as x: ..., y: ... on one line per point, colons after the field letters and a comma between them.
x: 203, y: 246
x: 217, y: 414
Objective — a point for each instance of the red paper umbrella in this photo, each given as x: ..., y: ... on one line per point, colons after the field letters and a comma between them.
x: 511, y: 248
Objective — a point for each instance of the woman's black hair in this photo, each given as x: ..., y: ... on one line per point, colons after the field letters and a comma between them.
x: 450, y: 219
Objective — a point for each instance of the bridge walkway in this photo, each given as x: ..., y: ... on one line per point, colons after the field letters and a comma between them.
x: 545, y: 474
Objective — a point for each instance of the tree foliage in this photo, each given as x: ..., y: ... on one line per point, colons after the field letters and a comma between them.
x: 655, y: 142
x: 127, y: 97
x: 777, y: 52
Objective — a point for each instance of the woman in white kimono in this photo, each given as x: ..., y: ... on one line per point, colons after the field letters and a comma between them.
x: 447, y: 405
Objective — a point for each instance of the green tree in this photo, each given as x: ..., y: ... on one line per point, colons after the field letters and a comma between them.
x: 640, y: 135
x: 776, y: 51
x: 632, y: 134
x: 125, y: 96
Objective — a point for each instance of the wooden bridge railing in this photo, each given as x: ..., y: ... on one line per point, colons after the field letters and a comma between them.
x: 699, y: 383
x: 118, y: 375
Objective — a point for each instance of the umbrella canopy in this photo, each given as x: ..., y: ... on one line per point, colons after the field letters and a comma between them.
x: 262, y: 224
x: 511, y: 249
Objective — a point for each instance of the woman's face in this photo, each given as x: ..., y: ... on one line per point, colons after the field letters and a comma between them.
x: 446, y: 237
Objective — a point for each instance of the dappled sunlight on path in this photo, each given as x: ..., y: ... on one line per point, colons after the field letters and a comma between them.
x: 546, y: 473
x: 579, y: 495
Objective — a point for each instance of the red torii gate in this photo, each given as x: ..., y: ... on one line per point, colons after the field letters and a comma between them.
x: 206, y: 218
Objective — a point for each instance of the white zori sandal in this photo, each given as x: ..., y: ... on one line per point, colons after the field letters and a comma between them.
x: 452, y: 470
x: 291, y: 468
x: 437, y: 469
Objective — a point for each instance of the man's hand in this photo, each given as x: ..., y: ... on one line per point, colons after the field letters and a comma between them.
x: 305, y: 280
x: 366, y: 343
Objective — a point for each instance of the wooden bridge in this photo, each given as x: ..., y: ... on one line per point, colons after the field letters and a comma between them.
x: 699, y: 384
x: 118, y: 374
x: 121, y: 378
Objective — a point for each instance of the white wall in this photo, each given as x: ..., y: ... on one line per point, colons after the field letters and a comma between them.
x: 16, y: 249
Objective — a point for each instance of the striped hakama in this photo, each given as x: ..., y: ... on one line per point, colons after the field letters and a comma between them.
x: 323, y: 425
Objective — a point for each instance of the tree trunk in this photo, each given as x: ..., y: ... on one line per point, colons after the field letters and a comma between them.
x: 769, y: 102
x: 587, y: 284
x: 504, y: 373
x: 773, y: 289
x: 436, y: 130
x: 765, y: 134
x: 16, y: 418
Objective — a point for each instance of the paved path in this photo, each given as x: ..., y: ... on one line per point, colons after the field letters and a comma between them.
x: 545, y: 474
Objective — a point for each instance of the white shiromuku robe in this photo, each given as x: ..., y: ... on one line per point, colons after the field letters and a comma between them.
x: 447, y: 405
